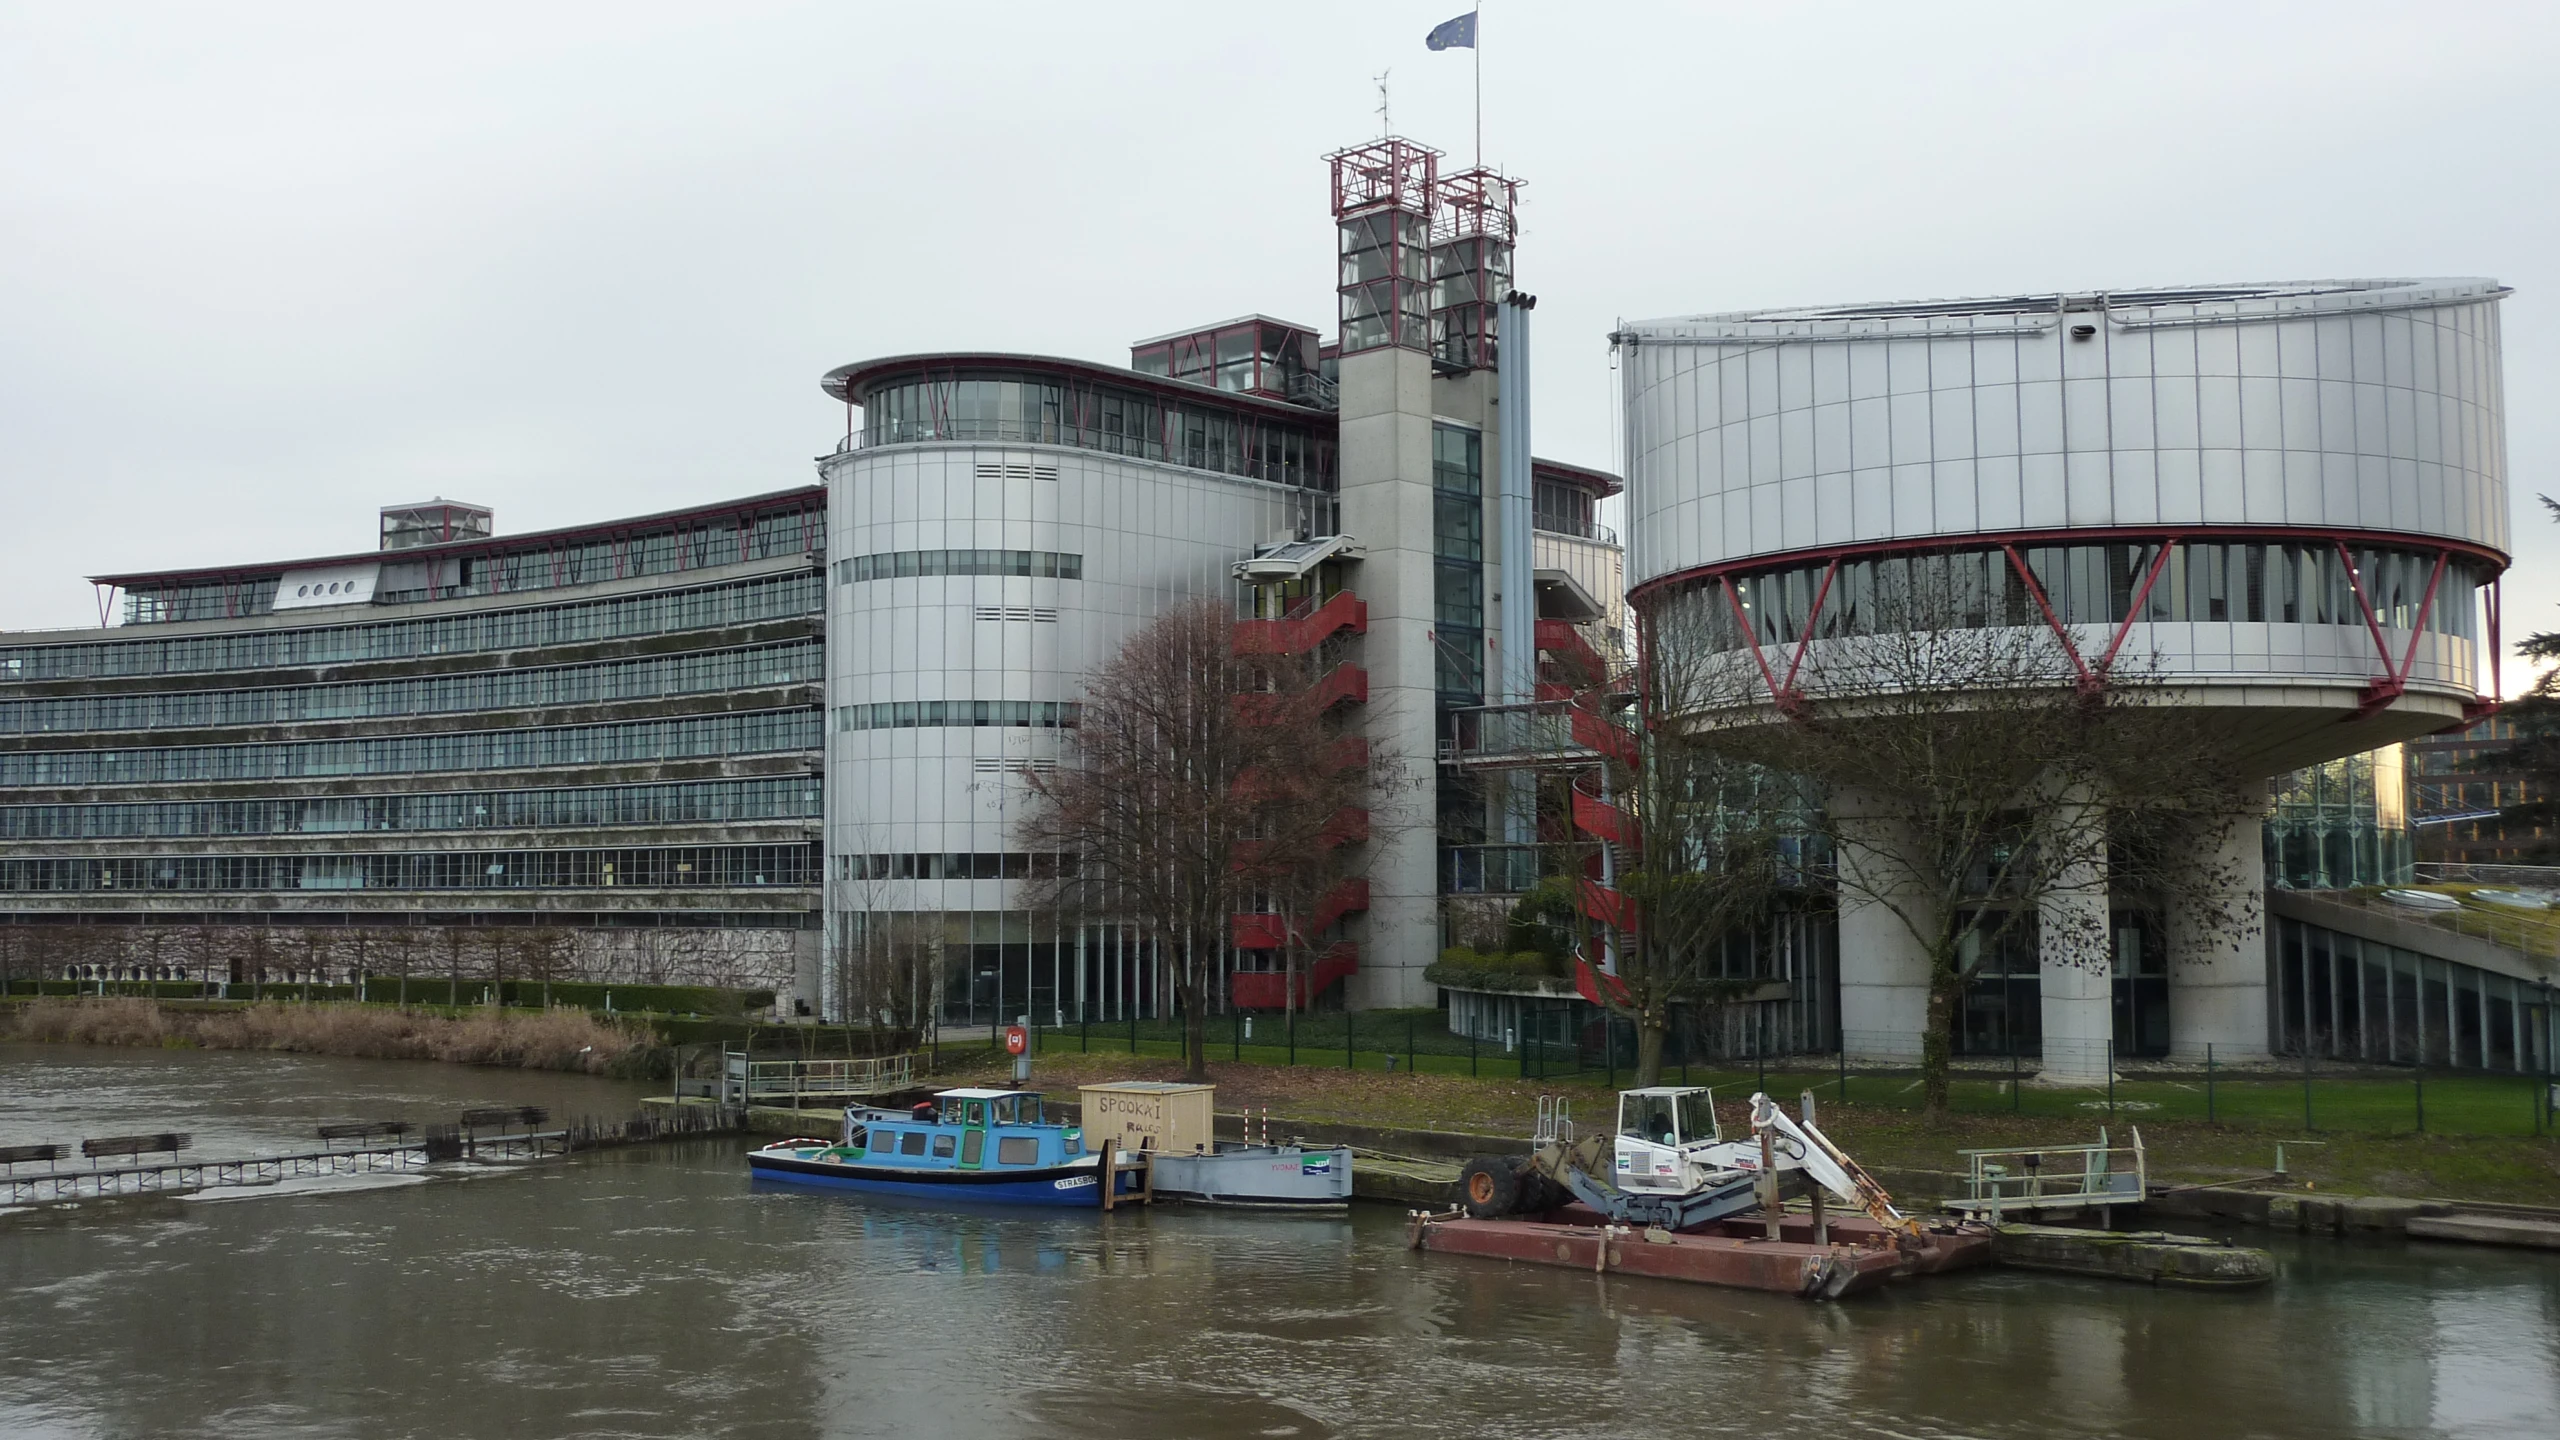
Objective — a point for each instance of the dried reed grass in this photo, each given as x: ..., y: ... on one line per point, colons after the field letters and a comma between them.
x: 573, y: 1040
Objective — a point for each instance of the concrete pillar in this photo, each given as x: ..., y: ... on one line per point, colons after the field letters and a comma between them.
x: 2075, y: 943
x: 1385, y: 461
x: 1884, y: 968
x: 2218, y: 950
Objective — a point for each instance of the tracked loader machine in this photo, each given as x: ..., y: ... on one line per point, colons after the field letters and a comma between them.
x: 1669, y: 1167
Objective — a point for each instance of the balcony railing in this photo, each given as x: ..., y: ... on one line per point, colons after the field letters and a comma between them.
x: 1601, y: 533
x: 1503, y: 869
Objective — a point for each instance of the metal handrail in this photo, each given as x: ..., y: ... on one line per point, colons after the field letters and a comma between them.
x: 2088, y: 1175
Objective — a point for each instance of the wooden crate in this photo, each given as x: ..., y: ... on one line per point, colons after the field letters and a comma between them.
x: 1164, y: 1115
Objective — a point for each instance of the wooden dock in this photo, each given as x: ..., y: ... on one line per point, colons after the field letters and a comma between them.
x: 49, y: 1173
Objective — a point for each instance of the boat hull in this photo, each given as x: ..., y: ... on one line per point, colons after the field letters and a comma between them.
x: 1074, y: 1186
x: 1260, y: 1177
x: 1858, y: 1256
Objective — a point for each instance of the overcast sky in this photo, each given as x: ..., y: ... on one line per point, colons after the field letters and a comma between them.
x: 266, y: 268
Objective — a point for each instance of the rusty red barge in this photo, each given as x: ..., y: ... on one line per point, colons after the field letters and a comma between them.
x: 1666, y: 1195
x: 1860, y: 1255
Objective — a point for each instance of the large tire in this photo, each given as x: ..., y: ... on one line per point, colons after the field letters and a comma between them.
x: 1537, y: 1194
x: 1488, y: 1188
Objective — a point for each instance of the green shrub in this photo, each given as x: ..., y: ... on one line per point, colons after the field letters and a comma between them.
x: 1462, y: 968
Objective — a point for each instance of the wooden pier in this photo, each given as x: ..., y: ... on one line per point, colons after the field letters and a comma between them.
x: 501, y: 1134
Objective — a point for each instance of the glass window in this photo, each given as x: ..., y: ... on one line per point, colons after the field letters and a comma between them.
x: 1018, y: 1150
x: 1697, y: 1117
x: 943, y: 1146
x: 1647, y: 1117
x: 911, y: 1142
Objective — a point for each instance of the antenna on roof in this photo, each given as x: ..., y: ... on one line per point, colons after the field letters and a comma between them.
x: 1385, y: 126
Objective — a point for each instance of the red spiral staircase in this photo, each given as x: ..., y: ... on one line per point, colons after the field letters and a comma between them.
x: 1570, y: 669
x: 1300, y: 633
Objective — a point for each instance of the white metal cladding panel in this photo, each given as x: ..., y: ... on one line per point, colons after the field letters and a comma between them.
x: 1147, y: 535
x: 1744, y: 439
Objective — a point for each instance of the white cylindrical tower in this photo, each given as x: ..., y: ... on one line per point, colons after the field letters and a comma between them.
x: 2288, y: 499
x: 997, y: 529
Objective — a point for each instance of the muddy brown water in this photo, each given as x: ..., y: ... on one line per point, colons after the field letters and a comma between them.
x: 657, y: 1292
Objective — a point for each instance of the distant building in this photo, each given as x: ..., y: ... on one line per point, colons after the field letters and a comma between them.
x: 584, y: 753
x: 2457, y: 789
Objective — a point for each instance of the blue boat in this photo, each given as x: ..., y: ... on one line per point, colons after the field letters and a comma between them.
x: 976, y: 1145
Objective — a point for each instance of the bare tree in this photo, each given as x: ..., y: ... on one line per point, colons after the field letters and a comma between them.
x: 1977, y: 781
x: 1197, y: 788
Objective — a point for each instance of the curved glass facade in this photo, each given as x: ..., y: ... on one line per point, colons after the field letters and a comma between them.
x: 1028, y: 408
x: 2340, y: 824
x: 2299, y: 583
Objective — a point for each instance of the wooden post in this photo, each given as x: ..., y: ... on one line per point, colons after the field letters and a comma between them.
x: 1110, y: 1178
x: 1147, y: 1178
x: 1769, y: 1181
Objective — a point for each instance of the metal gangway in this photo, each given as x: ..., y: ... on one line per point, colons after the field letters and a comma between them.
x: 498, y: 1133
x: 2053, y: 1177
x: 746, y: 1081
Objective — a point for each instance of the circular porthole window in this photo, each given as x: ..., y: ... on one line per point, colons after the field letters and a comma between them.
x: 301, y: 592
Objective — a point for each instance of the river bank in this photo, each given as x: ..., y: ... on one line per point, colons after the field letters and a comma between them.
x: 2493, y: 1170
x: 574, y: 1041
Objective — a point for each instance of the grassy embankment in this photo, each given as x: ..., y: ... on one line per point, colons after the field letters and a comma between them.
x: 570, y: 1040
x: 2366, y: 1140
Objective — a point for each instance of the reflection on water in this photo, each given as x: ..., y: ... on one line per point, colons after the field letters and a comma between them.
x: 658, y: 1292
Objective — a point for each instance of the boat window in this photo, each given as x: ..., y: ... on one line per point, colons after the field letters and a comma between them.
x: 973, y: 1148
x: 1646, y: 1117
x: 977, y: 1112
x: 911, y: 1143
x: 942, y: 1147
x: 950, y: 1112
x: 854, y: 1136
x: 1003, y: 1106
x: 1018, y: 1150
x: 1697, y: 1117
x: 1073, y: 1144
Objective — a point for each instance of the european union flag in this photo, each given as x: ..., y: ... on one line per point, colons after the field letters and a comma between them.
x: 1455, y: 34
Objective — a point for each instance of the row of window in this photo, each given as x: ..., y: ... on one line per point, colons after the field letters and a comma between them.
x: 675, y: 546
x: 779, y: 797
x: 770, y: 597
x: 1201, y: 435
x: 983, y: 865
x: 675, y: 867
x: 1457, y: 516
x: 908, y: 564
x: 659, y: 675
x: 2307, y: 583
x: 930, y: 714
x: 689, y: 737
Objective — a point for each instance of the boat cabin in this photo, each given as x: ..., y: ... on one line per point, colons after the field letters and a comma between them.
x: 962, y: 1130
x: 1663, y: 1135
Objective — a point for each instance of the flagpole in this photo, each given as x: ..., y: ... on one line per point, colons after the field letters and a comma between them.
x: 1478, y: 48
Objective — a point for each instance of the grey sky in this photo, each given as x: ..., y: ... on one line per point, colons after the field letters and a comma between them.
x: 266, y: 268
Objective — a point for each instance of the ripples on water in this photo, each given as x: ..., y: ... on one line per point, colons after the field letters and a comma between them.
x: 656, y: 1292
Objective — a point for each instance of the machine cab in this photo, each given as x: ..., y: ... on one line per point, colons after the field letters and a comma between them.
x: 1664, y: 1136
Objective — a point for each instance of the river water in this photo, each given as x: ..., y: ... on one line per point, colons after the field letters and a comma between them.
x: 655, y: 1292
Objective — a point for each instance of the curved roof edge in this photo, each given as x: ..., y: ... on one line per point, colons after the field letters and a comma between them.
x: 478, y: 544
x: 2243, y: 300
x: 850, y: 383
